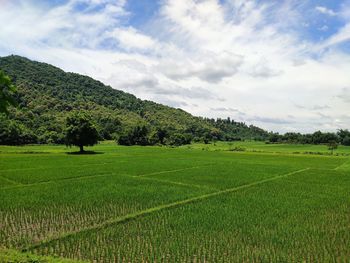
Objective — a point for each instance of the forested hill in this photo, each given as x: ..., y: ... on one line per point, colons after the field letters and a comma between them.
x: 47, y: 94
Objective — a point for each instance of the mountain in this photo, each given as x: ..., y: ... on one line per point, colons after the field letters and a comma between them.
x: 47, y: 94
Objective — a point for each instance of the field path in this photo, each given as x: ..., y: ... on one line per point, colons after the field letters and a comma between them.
x: 21, y: 185
x: 173, y: 171
x: 142, y: 176
x: 343, y: 164
x: 170, y: 182
x: 63, y: 166
x: 132, y: 216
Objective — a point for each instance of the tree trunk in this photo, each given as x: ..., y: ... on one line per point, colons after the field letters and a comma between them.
x: 81, y: 148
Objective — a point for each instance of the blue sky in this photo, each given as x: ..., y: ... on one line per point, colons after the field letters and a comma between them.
x: 142, y: 11
x: 281, y: 64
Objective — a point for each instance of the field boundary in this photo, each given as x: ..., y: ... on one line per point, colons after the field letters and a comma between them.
x: 170, y: 182
x: 64, y: 166
x: 174, y: 171
x: 22, y: 185
x: 138, y: 214
x: 83, y: 165
x: 346, y: 162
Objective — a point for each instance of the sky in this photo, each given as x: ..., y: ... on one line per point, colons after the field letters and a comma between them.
x: 283, y: 65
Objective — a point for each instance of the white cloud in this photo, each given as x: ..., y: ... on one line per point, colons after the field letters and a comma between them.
x: 345, y: 95
x: 325, y: 11
x: 341, y: 36
x: 210, y: 67
x: 130, y: 38
x: 239, y: 59
x: 323, y: 28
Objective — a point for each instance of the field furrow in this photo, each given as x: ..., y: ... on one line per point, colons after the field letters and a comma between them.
x: 159, y: 204
x: 270, y: 221
x: 162, y: 207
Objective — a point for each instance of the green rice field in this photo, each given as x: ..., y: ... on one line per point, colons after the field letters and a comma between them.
x: 224, y: 202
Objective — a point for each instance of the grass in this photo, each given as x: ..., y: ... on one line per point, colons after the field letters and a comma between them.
x: 36, y: 212
x: 279, y: 221
x: 13, y: 256
x: 176, y: 204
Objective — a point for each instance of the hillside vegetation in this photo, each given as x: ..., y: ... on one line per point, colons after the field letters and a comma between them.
x: 47, y: 94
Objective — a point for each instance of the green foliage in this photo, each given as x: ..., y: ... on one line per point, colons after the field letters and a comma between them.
x: 315, y: 138
x: 47, y: 95
x: 346, y: 141
x: 344, y: 136
x: 7, y: 93
x: 80, y: 131
x: 136, y: 136
x: 13, y: 132
x: 178, y: 139
x: 230, y: 130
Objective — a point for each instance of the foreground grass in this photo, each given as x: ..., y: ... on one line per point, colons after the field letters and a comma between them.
x: 175, y: 204
x: 295, y: 219
x: 13, y: 256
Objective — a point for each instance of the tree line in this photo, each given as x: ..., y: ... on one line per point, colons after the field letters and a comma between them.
x: 341, y: 137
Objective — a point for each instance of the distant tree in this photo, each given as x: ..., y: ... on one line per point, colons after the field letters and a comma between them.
x: 215, y: 134
x: 136, y: 136
x: 80, y: 131
x: 161, y: 134
x: 346, y: 141
x: 344, y: 136
x: 7, y: 92
x: 274, y: 138
x: 178, y: 139
x: 139, y: 135
x: 332, y: 145
x: 343, y: 133
x: 14, y: 133
x: 124, y: 139
x: 207, y: 137
x: 292, y: 137
x: 157, y: 136
x: 324, y: 138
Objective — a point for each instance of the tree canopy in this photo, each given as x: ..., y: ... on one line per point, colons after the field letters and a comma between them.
x: 80, y: 131
x: 318, y: 137
x: 7, y: 92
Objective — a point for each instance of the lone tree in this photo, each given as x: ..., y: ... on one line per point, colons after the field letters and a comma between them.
x: 80, y: 131
x: 7, y: 92
x: 332, y: 145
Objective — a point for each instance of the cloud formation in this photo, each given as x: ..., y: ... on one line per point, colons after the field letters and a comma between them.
x: 325, y: 11
x: 208, y: 57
